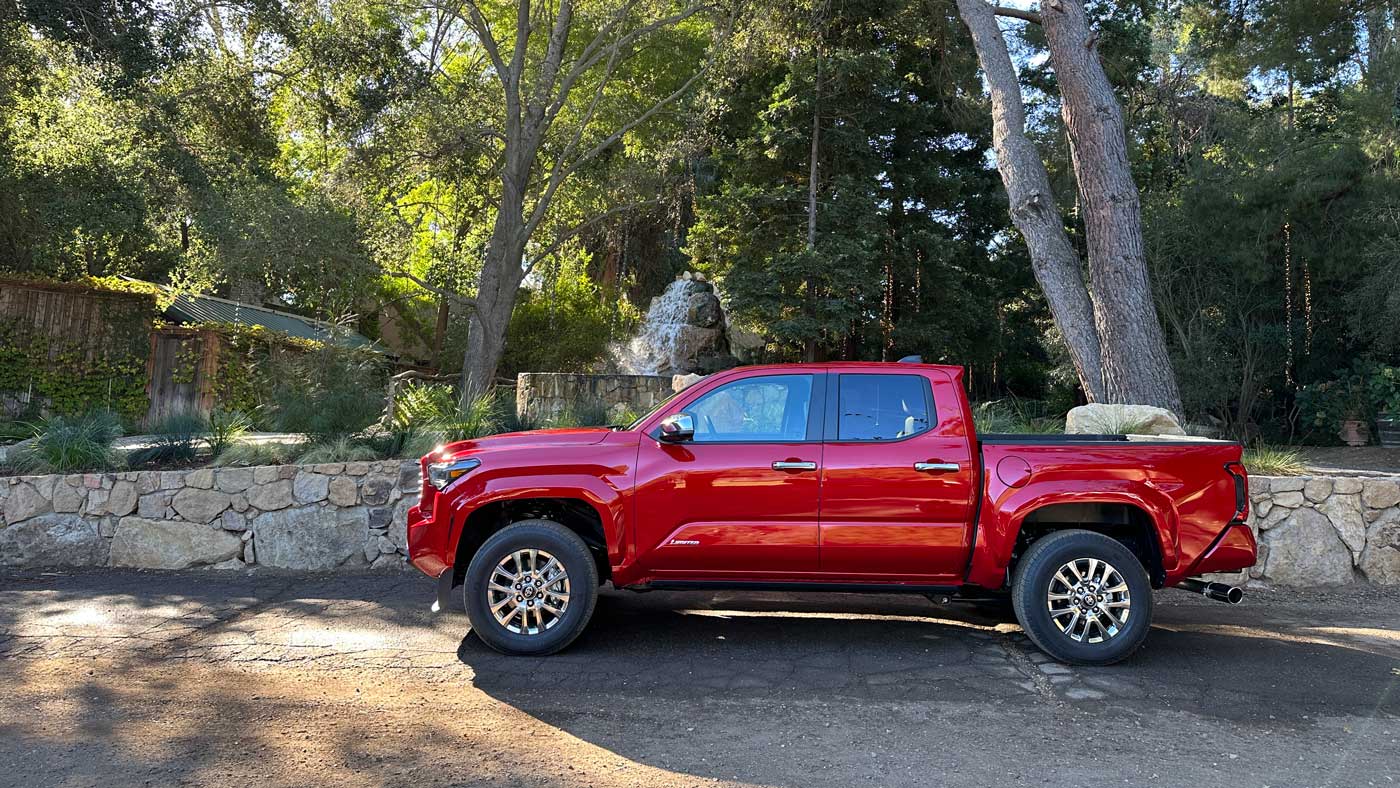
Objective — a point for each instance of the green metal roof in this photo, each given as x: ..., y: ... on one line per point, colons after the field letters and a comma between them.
x: 209, y: 309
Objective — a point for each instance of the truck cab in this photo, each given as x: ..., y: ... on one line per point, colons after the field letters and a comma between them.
x: 838, y: 476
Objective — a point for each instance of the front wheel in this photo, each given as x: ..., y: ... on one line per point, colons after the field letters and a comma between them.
x: 1082, y: 598
x: 531, y: 588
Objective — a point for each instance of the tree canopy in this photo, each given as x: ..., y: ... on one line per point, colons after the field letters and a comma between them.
x: 529, y: 170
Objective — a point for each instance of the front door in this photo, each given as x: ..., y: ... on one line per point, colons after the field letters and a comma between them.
x: 741, y: 497
x: 897, y: 493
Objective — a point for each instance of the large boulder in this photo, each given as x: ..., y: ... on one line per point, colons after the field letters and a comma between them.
x: 53, y: 540
x: 1100, y: 418
x: 1381, y: 559
x: 310, y: 537
x: 171, y: 544
x: 1305, y: 550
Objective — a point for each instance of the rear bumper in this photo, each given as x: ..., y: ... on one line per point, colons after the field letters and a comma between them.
x: 1233, y: 550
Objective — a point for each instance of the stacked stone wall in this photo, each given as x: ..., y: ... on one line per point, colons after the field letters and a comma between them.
x: 304, y: 517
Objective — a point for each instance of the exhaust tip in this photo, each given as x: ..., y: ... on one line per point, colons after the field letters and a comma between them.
x: 1220, y: 592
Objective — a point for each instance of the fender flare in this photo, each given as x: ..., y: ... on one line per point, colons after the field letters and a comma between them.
x: 1004, y: 518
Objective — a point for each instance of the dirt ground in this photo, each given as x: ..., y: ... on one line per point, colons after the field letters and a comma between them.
x: 144, y: 678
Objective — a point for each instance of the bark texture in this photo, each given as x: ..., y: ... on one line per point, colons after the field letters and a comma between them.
x: 1136, y: 366
x: 1057, y: 266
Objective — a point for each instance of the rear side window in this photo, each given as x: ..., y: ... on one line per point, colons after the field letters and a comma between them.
x: 881, y: 407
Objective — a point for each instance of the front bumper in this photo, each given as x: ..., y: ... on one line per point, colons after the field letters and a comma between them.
x: 427, y: 543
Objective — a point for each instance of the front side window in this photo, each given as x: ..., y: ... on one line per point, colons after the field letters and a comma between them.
x: 772, y: 408
x: 882, y: 407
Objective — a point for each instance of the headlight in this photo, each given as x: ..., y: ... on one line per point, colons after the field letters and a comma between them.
x: 441, y: 474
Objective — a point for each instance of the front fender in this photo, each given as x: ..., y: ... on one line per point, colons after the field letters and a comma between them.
x: 1005, y: 509
x: 598, y: 492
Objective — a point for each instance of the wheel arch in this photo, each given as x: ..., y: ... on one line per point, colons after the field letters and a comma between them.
x: 1129, y: 522
x: 575, y: 511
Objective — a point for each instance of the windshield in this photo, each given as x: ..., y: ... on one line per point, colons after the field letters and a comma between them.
x: 663, y: 403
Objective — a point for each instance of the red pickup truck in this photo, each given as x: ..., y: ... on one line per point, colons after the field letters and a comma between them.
x: 829, y: 477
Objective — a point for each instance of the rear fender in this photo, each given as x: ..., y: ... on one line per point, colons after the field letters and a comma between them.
x: 1005, y: 510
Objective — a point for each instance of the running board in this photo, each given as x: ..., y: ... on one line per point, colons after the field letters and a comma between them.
x: 839, y: 588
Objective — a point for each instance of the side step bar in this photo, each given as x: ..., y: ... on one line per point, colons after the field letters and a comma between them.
x: 1220, y: 592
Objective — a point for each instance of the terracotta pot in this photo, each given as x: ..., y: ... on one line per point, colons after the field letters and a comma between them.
x: 1355, y: 433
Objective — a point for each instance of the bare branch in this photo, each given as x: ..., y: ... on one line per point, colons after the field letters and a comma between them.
x: 594, y: 221
x: 597, y: 49
x: 465, y: 301
x: 1016, y: 13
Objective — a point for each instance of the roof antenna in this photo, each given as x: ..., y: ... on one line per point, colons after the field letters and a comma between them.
x: 912, y: 360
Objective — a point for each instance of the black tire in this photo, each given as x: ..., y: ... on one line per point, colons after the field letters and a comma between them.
x: 569, y: 550
x: 1031, y: 584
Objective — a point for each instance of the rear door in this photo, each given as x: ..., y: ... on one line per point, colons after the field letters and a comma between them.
x: 897, y: 478
x: 740, y: 499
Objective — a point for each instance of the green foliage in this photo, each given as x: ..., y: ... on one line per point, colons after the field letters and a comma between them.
x: 904, y: 259
x: 1014, y: 416
x: 248, y: 453
x: 226, y: 427
x: 176, y: 439
x: 69, y: 444
x: 329, y: 392
x: 339, y: 448
x: 1345, y: 397
x: 73, y: 378
x: 1263, y: 460
x: 1383, y: 384
x: 583, y: 413
x: 566, y: 326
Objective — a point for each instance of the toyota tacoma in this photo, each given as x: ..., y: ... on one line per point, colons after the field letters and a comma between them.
x: 853, y: 477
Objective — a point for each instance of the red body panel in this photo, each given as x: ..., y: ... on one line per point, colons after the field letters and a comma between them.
x: 861, y: 514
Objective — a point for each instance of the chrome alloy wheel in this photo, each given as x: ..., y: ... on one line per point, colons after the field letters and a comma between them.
x: 528, y: 592
x: 1089, y: 600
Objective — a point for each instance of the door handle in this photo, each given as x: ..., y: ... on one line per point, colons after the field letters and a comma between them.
x: 792, y: 465
x: 937, y: 467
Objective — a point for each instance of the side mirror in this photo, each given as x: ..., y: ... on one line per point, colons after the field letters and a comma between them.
x: 678, y: 428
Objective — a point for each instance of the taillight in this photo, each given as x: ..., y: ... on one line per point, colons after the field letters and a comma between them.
x: 1241, y: 476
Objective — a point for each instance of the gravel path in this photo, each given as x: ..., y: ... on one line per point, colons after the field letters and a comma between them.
x: 142, y: 678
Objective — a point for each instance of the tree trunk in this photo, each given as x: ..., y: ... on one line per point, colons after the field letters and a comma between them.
x: 501, y: 275
x: 1136, y: 366
x: 809, y: 351
x: 1056, y: 264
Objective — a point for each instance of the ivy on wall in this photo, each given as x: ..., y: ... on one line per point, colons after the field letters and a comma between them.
x: 57, y: 371
x: 248, y: 364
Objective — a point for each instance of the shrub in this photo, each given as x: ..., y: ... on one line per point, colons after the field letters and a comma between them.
x: 1273, y: 461
x: 67, y: 444
x: 227, y: 427
x: 403, y: 441
x: 343, y: 448
x: 584, y: 413
x: 328, y: 392
x: 176, y: 440
x: 1014, y: 416
x: 247, y: 453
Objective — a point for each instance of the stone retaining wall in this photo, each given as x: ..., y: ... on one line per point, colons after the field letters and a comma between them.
x: 1311, y: 530
x: 542, y: 395
x: 1325, y: 530
x: 308, y: 517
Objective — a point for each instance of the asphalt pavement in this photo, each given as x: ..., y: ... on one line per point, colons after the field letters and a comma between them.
x: 212, y: 678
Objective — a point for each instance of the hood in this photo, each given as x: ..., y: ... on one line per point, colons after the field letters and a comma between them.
x: 566, y: 436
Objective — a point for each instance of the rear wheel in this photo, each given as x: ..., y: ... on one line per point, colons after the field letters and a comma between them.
x: 1082, y: 598
x: 531, y: 588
